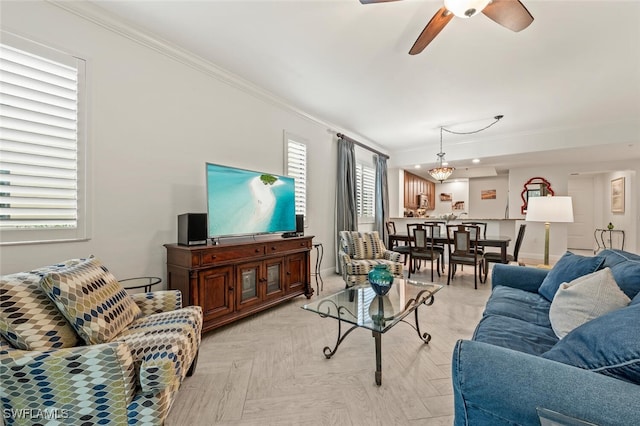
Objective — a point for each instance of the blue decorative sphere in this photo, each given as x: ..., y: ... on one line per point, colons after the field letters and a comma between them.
x: 380, y: 279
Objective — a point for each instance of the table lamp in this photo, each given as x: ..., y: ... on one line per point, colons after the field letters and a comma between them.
x: 547, y: 210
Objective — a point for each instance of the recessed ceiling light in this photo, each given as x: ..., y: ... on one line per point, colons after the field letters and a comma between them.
x: 475, y: 160
x: 417, y: 166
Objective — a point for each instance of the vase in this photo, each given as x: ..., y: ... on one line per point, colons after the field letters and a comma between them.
x: 381, y: 310
x: 380, y: 279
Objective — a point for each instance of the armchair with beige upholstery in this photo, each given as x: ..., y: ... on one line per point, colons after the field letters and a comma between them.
x: 360, y: 252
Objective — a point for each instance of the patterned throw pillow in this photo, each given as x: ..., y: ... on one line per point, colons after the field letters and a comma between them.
x: 28, y: 319
x: 368, y: 246
x: 92, y: 300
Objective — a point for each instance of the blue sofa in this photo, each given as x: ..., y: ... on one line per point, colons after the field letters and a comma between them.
x: 515, y: 371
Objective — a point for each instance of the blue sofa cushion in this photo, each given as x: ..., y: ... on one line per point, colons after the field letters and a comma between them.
x: 626, y: 270
x: 513, y: 333
x: 569, y: 267
x: 608, y: 345
x: 519, y: 304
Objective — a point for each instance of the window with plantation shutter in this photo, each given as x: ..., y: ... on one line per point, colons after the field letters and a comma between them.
x: 41, y: 197
x: 365, y: 191
x: 296, y: 164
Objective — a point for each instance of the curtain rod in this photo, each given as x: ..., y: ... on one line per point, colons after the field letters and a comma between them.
x: 360, y: 144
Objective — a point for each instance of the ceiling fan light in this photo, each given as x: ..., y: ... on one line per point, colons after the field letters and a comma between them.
x: 465, y: 8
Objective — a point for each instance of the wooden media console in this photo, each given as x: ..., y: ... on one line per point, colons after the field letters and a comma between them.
x: 234, y: 280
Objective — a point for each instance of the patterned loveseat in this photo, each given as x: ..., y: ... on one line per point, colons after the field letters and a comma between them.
x: 360, y: 252
x: 77, y: 349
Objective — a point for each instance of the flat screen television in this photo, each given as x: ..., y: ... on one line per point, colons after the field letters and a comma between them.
x: 245, y: 202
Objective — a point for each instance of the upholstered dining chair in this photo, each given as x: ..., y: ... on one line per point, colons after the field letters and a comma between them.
x: 438, y: 231
x: 495, y: 257
x: 483, y: 233
x: 462, y: 239
x: 423, y: 248
x: 402, y: 249
x: 410, y: 228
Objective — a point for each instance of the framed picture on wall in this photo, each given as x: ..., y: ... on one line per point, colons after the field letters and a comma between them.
x: 488, y: 194
x: 617, y: 195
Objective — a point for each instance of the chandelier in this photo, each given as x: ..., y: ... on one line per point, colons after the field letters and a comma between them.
x: 441, y: 172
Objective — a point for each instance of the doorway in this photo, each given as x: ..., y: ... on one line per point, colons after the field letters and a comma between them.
x: 582, y: 189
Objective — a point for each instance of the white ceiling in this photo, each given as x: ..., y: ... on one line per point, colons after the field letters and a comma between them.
x: 571, y: 79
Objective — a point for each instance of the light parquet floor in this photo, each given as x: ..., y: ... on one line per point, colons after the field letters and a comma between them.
x: 269, y: 369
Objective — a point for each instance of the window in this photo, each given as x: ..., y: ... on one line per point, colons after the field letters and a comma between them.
x: 41, y: 143
x: 296, y: 165
x: 365, y: 191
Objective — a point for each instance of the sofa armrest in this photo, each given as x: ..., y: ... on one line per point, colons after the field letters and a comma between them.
x: 499, y: 386
x: 521, y: 277
x: 155, y: 302
x: 77, y: 385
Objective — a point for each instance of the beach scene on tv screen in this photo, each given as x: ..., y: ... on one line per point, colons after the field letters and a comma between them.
x: 248, y: 202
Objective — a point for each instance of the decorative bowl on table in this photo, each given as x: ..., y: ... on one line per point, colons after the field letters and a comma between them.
x: 381, y: 279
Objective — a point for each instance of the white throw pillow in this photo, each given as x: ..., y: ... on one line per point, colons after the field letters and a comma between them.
x: 584, y: 299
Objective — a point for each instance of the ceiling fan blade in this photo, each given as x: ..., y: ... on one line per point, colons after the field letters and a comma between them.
x: 375, y: 1
x: 433, y: 28
x: 509, y: 13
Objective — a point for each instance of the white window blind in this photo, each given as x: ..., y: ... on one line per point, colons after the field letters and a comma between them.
x: 365, y: 190
x: 296, y: 162
x: 39, y: 144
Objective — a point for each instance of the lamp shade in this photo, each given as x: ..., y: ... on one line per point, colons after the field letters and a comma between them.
x: 549, y: 209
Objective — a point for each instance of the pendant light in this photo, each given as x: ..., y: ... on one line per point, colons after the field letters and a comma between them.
x: 441, y: 172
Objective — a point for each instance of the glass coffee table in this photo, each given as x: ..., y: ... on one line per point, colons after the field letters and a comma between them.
x: 360, y: 307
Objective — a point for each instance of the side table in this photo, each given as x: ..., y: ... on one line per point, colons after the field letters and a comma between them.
x: 140, y: 282
x: 610, y: 240
x: 319, y: 255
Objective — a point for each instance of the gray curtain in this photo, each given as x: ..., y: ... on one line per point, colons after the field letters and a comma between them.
x: 346, y: 209
x: 382, y: 196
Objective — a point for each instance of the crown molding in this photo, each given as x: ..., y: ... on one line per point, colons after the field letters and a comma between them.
x: 115, y: 24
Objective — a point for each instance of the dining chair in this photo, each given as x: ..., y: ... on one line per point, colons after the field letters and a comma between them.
x: 410, y: 229
x: 438, y: 232
x: 461, y: 244
x: 483, y: 233
x: 422, y: 247
x: 403, y: 249
x: 495, y: 257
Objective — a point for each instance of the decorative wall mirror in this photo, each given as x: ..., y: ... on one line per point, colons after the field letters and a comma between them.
x: 534, y: 187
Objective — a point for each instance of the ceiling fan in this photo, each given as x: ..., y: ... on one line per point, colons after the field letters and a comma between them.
x: 509, y: 13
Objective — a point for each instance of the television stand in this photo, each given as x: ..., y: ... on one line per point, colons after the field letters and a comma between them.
x: 233, y: 280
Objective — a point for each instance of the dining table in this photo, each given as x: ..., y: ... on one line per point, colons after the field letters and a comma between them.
x: 500, y: 241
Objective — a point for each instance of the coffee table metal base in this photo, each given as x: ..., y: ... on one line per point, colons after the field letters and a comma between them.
x: 425, y: 337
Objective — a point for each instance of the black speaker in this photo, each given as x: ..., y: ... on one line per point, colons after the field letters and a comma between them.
x: 300, y: 224
x: 192, y: 229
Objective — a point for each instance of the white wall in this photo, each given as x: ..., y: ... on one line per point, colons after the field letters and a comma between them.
x: 488, y: 209
x: 558, y: 176
x: 154, y: 122
x: 622, y: 221
x: 459, y: 190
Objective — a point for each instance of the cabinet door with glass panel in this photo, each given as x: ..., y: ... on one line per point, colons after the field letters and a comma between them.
x: 259, y: 281
x: 273, y: 278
